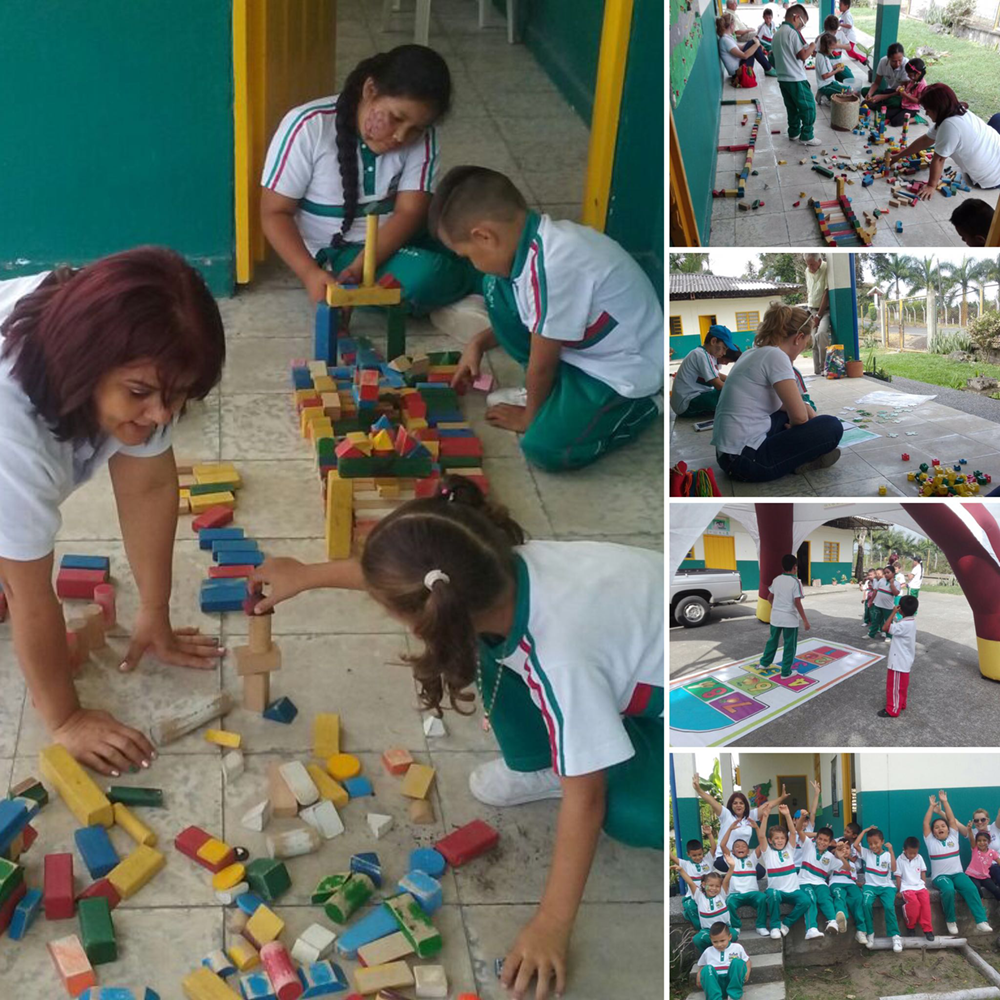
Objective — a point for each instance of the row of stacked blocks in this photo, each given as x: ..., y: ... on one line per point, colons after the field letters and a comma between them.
x: 741, y: 178
x: 205, y: 486
x: 937, y: 481
x: 845, y: 232
x: 86, y: 578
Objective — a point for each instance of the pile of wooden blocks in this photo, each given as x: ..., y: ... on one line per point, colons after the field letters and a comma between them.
x: 204, y: 485
x: 86, y: 578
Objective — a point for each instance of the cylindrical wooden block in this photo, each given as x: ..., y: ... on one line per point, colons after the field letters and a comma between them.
x: 94, y: 614
x: 256, y: 692
x: 104, y: 595
x: 371, y: 249
x: 260, y: 633
x: 281, y: 971
x: 78, y: 626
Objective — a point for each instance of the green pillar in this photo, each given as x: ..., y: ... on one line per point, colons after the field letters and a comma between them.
x: 684, y: 802
x: 886, y: 29
x: 826, y: 8
x: 843, y: 298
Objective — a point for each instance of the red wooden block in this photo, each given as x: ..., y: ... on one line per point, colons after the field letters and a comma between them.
x: 189, y: 840
x: 214, y: 517
x: 461, y: 447
x: 229, y: 572
x: 79, y: 583
x: 444, y: 377
x: 10, y: 905
x: 57, y: 893
x: 428, y: 487
x: 102, y: 887
x: 388, y: 281
x: 414, y: 405
x: 28, y: 836
x: 426, y: 434
x: 467, y: 842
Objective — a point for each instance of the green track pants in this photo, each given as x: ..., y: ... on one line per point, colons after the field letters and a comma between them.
x: 703, y: 404
x: 802, y: 906
x: 822, y: 899
x: 886, y: 895
x: 690, y: 908
x: 877, y: 620
x: 723, y: 985
x: 969, y: 891
x: 738, y: 899
x: 703, y: 939
x: 800, y: 107
x: 789, y: 638
x: 847, y: 899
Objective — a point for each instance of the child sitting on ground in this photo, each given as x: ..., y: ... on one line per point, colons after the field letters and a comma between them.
x: 909, y: 94
x: 743, y: 889
x: 981, y: 869
x: 883, y: 606
x: 911, y: 875
x: 847, y: 35
x: 697, y: 868
x: 766, y: 31
x: 710, y: 898
x: 763, y: 428
x: 902, y: 650
x: 972, y: 220
x: 880, y: 868
x: 815, y: 866
x: 844, y: 886
x: 698, y: 382
x: 567, y: 303
x: 786, y: 610
x: 723, y: 968
x: 829, y: 72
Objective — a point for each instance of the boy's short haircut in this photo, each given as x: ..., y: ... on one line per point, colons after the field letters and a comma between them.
x: 718, y: 928
x: 831, y: 24
x: 741, y: 840
x: 973, y: 216
x: 788, y: 563
x: 908, y: 605
x: 797, y: 8
x: 825, y: 830
x: 911, y: 842
x: 875, y: 832
x: 694, y: 845
x: 896, y: 47
x: 469, y: 195
x: 777, y: 828
x: 767, y: 10
x: 852, y: 828
x: 846, y: 3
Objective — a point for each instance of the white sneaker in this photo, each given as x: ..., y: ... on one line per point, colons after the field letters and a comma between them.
x: 841, y: 922
x: 462, y: 320
x: 811, y: 142
x: 784, y: 929
x: 495, y: 784
x: 861, y: 937
x: 763, y: 932
x: 775, y: 934
x: 984, y: 927
x: 813, y: 933
x: 952, y: 928
x: 513, y: 397
x: 897, y: 943
x: 870, y: 940
x: 831, y: 925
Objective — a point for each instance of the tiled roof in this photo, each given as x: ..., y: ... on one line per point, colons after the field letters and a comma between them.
x: 713, y: 286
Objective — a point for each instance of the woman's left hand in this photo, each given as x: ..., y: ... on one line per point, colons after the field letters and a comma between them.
x: 183, y: 647
x: 925, y: 193
x: 540, y: 949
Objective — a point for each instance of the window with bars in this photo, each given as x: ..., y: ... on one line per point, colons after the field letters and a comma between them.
x: 831, y: 552
x: 676, y: 327
x: 746, y: 322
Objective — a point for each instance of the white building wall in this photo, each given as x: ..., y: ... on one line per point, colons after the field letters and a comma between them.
x: 746, y: 547
x: 724, y: 310
x: 898, y: 771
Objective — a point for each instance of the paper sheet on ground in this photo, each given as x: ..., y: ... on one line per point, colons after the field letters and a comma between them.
x: 854, y: 434
x: 882, y: 397
x: 715, y: 707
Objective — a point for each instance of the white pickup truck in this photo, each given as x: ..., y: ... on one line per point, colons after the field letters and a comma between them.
x: 694, y: 591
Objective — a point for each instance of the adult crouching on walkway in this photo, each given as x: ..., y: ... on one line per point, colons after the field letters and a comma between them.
x: 735, y: 54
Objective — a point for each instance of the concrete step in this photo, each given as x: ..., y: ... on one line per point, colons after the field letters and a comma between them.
x: 766, y: 968
x: 752, y: 991
x: 754, y: 944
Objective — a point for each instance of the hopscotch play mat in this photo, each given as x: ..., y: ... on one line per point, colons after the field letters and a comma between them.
x: 715, y: 707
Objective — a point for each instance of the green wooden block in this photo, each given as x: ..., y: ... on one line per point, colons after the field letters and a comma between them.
x: 30, y: 788
x: 268, y: 878
x: 396, y: 333
x: 415, y: 925
x: 459, y: 462
x: 97, y: 932
x: 135, y: 796
x: 444, y: 357
x: 199, y: 489
x: 11, y: 876
x: 416, y: 468
x: 352, y: 893
x: 327, y: 886
x: 347, y: 425
x: 326, y: 449
x: 354, y: 468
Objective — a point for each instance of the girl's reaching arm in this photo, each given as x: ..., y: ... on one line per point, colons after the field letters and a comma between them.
x: 771, y: 803
x: 287, y: 577
x: 714, y: 804
x: 931, y: 809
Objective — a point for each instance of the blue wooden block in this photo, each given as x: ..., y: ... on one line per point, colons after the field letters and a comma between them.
x: 393, y: 378
x: 367, y: 863
x: 248, y: 902
x: 456, y: 432
x: 25, y: 913
x: 342, y: 373
x: 383, y: 424
x: 150, y: 994
x: 241, y: 557
x: 111, y: 993
x: 234, y: 545
x: 325, y: 333
x: 302, y: 378
x: 379, y: 923
x: 85, y: 562
x: 257, y: 986
x: 322, y: 979
x: 348, y: 346
x: 424, y: 888
x: 207, y: 536
x: 96, y: 849
x: 426, y: 859
x: 358, y: 787
x: 282, y: 710
x: 14, y: 816
x: 219, y: 963
x: 228, y: 597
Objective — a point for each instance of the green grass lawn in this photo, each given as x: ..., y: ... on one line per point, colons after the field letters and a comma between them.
x: 970, y: 69
x: 941, y: 588
x: 934, y: 369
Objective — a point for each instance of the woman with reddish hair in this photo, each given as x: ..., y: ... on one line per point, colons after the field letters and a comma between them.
x: 963, y: 135
x: 95, y: 366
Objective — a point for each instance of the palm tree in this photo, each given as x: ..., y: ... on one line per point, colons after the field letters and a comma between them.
x: 927, y: 276
x: 689, y: 263
x: 988, y: 272
x: 949, y: 292
x: 895, y: 268
x: 963, y: 275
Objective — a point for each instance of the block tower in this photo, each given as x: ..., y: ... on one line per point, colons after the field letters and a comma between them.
x: 256, y: 662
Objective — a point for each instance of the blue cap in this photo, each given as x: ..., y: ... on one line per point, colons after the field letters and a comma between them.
x: 724, y: 334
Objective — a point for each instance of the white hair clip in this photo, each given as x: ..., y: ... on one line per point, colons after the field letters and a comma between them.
x: 433, y: 576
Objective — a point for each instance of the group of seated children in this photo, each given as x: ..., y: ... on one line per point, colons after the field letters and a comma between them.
x: 817, y: 873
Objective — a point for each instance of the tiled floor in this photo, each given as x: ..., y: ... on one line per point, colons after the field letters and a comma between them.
x: 342, y: 654
x: 777, y: 222
x: 930, y: 431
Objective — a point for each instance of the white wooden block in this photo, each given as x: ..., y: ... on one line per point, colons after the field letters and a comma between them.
x: 386, y: 949
x: 232, y: 765
x: 292, y: 843
x: 313, y: 944
x: 431, y: 981
x: 433, y: 726
x: 302, y: 786
x: 258, y: 817
x: 324, y: 818
x: 228, y: 896
x: 379, y: 824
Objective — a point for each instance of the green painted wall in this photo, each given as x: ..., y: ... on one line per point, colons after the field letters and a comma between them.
x: 696, y: 119
x: 118, y: 130
x: 693, y: 564
x: 841, y: 320
x: 681, y: 346
x: 749, y: 570
x: 827, y: 572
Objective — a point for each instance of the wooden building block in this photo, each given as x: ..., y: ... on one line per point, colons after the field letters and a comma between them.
x: 233, y: 765
x: 256, y: 692
x: 215, y: 855
x: 136, y: 870
x: 93, y: 614
x: 259, y: 632
x: 377, y: 977
x: 97, y: 931
x: 83, y: 798
x: 283, y: 801
x: 339, y: 516
x: 384, y: 950
x: 324, y: 819
x: 133, y: 826
x: 257, y: 817
x: 249, y: 663
x: 418, y: 781
x: 203, y: 710
x: 102, y: 887
x: 467, y: 842
x: 313, y: 944
x: 421, y: 811
x: 292, y: 843
x: 229, y: 876
x: 72, y: 964
x: 263, y: 926
x: 57, y: 897
x: 347, y: 896
x: 96, y: 849
x: 327, y: 787
x: 79, y: 584
x: 326, y: 735
x: 298, y: 780
x: 268, y: 878
x: 415, y: 925
x: 203, y: 984
x: 431, y: 982
x: 281, y: 970
x: 243, y: 954
x: 396, y: 760
x: 214, y: 517
x: 222, y: 738
x: 342, y: 766
x: 206, y: 501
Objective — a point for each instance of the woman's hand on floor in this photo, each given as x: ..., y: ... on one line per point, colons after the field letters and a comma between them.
x: 183, y: 647
x: 540, y: 949
x: 100, y: 741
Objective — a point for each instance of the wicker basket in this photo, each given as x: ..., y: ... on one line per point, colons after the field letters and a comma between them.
x: 844, y: 112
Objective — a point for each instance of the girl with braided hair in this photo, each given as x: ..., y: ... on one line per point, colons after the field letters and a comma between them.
x: 570, y: 678
x: 372, y: 148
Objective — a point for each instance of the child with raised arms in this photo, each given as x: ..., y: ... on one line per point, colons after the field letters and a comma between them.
x: 711, y: 899
x: 815, y: 866
x: 742, y: 864
x: 844, y: 886
x: 783, y: 881
x: 697, y: 868
x: 880, y: 868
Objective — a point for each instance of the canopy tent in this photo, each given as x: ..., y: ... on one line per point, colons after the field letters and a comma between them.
x: 967, y: 533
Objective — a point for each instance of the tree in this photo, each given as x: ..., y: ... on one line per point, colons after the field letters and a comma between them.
x: 895, y: 269
x: 988, y: 273
x: 689, y: 263
x: 963, y: 275
x: 927, y: 276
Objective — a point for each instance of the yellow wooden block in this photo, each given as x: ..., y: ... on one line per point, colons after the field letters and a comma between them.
x: 203, y: 501
x: 326, y: 734
x: 382, y: 977
x: 337, y: 295
x: 243, y: 954
x: 339, y: 516
x: 228, y: 877
x: 331, y: 404
x: 324, y: 383
x: 301, y: 395
x: 223, y: 738
x: 317, y: 367
x: 230, y: 478
x: 309, y: 413
x: 224, y: 469
x: 343, y: 766
x: 327, y: 787
x: 133, y: 826
x: 414, y: 424
x: 456, y: 425
x: 83, y: 798
x: 185, y: 481
x: 135, y: 870
x: 204, y: 984
x: 319, y: 428
x: 185, y: 494
x: 213, y: 851
x: 264, y: 926
x: 382, y: 441
x: 417, y: 781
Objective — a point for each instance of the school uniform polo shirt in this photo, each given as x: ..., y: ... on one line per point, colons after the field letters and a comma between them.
x: 883, y: 595
x: 766, y: 32
x: 579, y: 287
x: 841, y: 875
x: 918, y: 575
x: 721, y: 960
x: 697, y: 370
x: 892, y: 77
x: 846, y: 32
x: 878, y: 867
x: 744, y: 876
x: 785, y: 590
x: 38, y: 472
x: 744, y: 831
x: 909, y: 873
x: 711, y: 909
x: 903, y: 648
x: 696, y: 870
x: 588, y: 642
x: 780, y: 866
x: 302, y: 164
x: 788, y: 42
x: 815, y: 868
x: 945, y: 854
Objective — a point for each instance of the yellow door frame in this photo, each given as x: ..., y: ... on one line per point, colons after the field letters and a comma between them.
x: 683, y: 225
x: 845, y: 791
x: 704, y: 327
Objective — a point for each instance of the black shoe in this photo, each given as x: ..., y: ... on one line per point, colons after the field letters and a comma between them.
x: 910, y: 931
x: 929, y: 935
x: 884, y: 714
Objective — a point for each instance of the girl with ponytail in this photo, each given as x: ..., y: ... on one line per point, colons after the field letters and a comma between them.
x: 765, y: 425
x: 372, y: 148
x: 570, y: 678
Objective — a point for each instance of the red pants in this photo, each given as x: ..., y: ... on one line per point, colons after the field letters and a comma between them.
x: 917, y: 907
x: 896, y: 684
x: 853, y: 52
